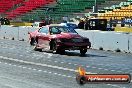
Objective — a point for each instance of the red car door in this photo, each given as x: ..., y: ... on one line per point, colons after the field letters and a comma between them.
x: 43, y: 38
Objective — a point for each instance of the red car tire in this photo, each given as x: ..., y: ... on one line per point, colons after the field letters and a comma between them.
x: 83, y: 51
x: 54, y: 47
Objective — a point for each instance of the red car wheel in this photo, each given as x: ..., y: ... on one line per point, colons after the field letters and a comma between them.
x: 54, y: 47
x: 32, y: 42
x: 83, y: 51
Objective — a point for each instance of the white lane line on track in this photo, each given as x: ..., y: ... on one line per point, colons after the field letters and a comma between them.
x: 39, y: 70
x: 9, y: 64
x: 21, y: 55
x: 14, y: 65
x: 44, y: 71
x: 29, y: 68
x: 55, y: 61
x: 100, y: 68
x: 50, y: 72
x: 69, y: 63
x: 93, y: 67
x: 39, y: 64
x: 64, y: 75
x: 62, y: 62
x: 87, y: 66
x: 34, y: 69
x: 115, y: 86
x: 79, y: 65
x: 20, y: 66
x: 106, y: 69
x: 59, y: 74
x: 55, y: 73
x: 112, y: 70
x: 74, y: 77
x: 75, y: 64
x: 69, y: 76
x: 24, y: 67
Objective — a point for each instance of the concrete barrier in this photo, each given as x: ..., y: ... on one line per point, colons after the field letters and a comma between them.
x: 18, y: 33
x: 108, y: 40
x: 130, y: 43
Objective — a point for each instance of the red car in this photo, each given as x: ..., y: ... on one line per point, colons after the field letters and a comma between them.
x: 58, y: 39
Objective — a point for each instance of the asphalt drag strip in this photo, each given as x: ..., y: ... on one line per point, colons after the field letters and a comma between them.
x: 22, y: 67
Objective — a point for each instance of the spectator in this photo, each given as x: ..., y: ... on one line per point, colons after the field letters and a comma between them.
x: 32, y: 21
x: 2, y: 21
x: 122, y: 22
x: 47, y: 20
x: 110, y: 22
x: 131, y: 20
x: 86, y: 25
x: 0, y: 24
x: 81, y: 24
x: 50, y: 21
x: 7, y: 22
x: 115, y: 21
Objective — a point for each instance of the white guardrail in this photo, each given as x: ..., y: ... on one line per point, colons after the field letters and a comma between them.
x: 107, y: 40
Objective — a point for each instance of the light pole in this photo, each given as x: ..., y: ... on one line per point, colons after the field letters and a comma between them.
x: 95, y: 7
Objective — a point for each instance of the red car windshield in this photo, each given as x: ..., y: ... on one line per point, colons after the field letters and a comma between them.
x: 59, y: 29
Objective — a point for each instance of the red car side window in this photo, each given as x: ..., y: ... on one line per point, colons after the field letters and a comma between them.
x: 55, y: 30
x: 44, y: 30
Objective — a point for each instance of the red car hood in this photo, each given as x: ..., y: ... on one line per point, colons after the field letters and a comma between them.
x: 68, y: 35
